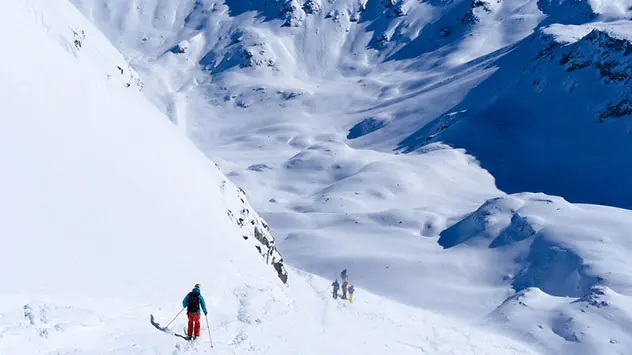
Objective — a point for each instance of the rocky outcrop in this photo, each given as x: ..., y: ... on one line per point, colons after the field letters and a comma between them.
x: 253, y: 228
x: 602, y: 55
x: 311, y: 7
x: 292, y: 12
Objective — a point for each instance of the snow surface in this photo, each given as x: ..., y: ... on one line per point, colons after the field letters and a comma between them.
x: 572, y: 33
x: 334, y: 117
x: 110, y: 214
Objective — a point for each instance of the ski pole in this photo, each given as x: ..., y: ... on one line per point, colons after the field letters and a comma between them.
x: 174, y: 318
x: 209, y: 331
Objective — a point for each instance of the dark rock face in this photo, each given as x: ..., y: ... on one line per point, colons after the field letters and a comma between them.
x: 254, y: 229
x: 597, y: 297
x: 311, y: 7
x: 365, y: 127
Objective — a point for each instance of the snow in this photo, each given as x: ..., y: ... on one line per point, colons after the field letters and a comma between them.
x: 555, y: 253
x: 110, y: 214
x: 612, y: 9
x: 381, y: 137
x: 568, y: 34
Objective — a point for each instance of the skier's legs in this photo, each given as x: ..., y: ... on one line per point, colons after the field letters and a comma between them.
x: 196, y: 325
x: 191, y: 317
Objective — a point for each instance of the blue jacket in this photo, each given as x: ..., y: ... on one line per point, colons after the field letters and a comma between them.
x: 185, y: 302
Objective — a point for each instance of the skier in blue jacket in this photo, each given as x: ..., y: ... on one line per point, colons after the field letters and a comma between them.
x: 336, y: 286
x: 192, y: 303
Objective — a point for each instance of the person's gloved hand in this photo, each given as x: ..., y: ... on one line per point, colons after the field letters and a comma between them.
x: 205, y: 313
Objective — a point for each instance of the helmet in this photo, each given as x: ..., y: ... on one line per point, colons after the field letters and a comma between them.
x: 197, y: 286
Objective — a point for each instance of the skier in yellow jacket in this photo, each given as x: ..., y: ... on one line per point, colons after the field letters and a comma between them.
x: 351, y: 291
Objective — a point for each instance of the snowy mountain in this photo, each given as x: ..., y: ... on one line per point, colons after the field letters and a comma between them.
x: 573, y: 97
x: 377, y: 136
x: 110, y: 214
x: 401, y: 70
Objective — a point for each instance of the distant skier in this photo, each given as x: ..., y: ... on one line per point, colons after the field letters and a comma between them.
x: 343, y: 275
x: 336, y: 286
x: 192, y: 303
x: 344, y: 290
x: 351, y: 291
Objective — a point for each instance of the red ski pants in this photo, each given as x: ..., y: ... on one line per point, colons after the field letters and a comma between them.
x: 194, y: 324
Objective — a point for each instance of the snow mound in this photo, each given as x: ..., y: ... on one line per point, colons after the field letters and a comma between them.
x: 561, y: 248
x: 595, y: 323
x: 566, y: 264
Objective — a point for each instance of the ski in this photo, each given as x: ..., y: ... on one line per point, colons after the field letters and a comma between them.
x: 153, y: 322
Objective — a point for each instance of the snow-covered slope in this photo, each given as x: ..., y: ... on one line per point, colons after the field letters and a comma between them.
x: 561, y: 117
x: 402, y: 71
x: 79, y: 149
x: 110, y: 214
x: 567, y: 263
x: 103, y: 202
x: 334, y: 118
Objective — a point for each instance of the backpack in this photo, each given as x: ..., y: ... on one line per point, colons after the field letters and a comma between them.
x: 193, y: 303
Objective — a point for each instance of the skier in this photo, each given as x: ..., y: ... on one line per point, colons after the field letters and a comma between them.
x: 343, y: 275
x: 336, y: 286
x: 351, y: 291
x: 192, y: 303
x: 344, y: 290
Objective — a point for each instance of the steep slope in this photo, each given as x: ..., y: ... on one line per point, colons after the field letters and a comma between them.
x: 572, y: 127
x: 72, y: 165
x: 102, y: 199
x: 77, y: 123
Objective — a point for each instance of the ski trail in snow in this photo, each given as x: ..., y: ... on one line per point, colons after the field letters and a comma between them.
x: 417, y: 347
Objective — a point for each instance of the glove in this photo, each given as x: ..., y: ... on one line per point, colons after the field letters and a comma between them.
x: 205, y: 313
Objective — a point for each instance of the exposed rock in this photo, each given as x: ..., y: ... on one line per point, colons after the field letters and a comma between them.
x: 293, y: 13
x: 619, y: 109
x: 311, y: 7
x: 365, y: 127
x: 255, y: 230
x: 596, y: 297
